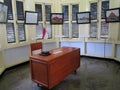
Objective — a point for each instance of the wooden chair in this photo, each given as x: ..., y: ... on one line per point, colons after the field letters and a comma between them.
x: 35, y: 47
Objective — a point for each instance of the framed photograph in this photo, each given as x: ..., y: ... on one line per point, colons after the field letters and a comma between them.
x: 112, y: 15
x: 31, y: 17
x: 3, y: 13
x: 56, y: 18
x: 83, y: 17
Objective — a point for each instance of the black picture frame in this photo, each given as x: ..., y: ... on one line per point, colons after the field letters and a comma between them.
x: 3, y: 13
x: 112, y: 15
x: 56, y: 18
x: 83, y: 17
x: 31, y: 17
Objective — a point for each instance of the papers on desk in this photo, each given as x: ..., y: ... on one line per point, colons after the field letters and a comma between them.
x: 57, y: 51
x: 36, y: 51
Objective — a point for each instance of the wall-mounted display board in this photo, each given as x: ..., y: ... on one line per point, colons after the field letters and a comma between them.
x: 83, y: 17
x: 3, y: 13
x: 112, y: 15
x: 56, y: 18
x: 31, y: 17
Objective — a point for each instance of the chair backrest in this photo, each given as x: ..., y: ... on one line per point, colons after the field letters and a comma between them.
x: 35, y: 46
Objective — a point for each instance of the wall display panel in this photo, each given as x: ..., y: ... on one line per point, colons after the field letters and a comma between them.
x: 93, y: 29
x: 10, y: 32
x: 112, y: 15
x: 65, y: 29
x: 83, y: 17
x: 93, y: 9
x: 20, y: 10
x: 105, y: 5
x: 56, y: 18
x: 10, y: 12
x: 31, y: 17
x: 75, y: 31
x: 75, y: 9
x: 3, y: 13
x: 65, y: 10
x: 47, y: 12
x: 104, y: 29
x: 38, y: 8
x: 21, y: 32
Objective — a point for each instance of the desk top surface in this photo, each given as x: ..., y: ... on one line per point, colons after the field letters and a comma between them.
x: 54, y: 53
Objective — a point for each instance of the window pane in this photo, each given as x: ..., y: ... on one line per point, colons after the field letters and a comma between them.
x: 93, y: 8
x: 21, y: 32
x: 75, y: 30
x: 65, y: 29
x: 10, y: 32
x: 74, y: 10
x: 49, y: 30
x: 65, y: 11
x: 104, y: 29
x: 39, y: 29
x: 38, y: 8
x: 105, y: 5
x: 10, y: 13
x: 20, y: 14
x: 47, y: 12
x: 93, y: 29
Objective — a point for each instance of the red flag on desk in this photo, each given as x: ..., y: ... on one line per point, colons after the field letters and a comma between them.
x: 43, y: 33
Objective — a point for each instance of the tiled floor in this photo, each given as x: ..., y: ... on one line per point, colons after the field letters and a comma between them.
x: 93, y: 74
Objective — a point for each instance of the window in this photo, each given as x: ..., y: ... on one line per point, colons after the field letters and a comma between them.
x: 49, y: 30
x: 38, y: 8
x: 10, y: 12
x: 98, y: 27
x: 70, y: 26
x: 65, y: 29
x: 93, y: 9
x: 39, y: 29
x: 75, y: 33
x: 43, y: 22
x: 93, y: 29
x: 75, y: 9
x: 47, y: 12
x: 20, y: 11
x: 105, y: 5
x: 65, y: 11
x: 16, y: 23
x: 10, y: 32
x: 21, y: 32
x: 104, y: 26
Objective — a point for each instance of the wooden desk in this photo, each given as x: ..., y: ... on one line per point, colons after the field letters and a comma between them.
x: 50, y: 70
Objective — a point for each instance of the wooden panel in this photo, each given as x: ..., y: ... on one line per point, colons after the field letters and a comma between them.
x: 39, y: 72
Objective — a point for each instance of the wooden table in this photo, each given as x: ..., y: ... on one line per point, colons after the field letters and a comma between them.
x: 49, y: 70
